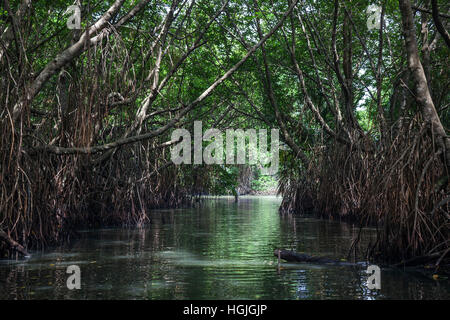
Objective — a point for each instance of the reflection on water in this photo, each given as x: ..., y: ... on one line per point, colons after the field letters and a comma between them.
x: 221, y: 250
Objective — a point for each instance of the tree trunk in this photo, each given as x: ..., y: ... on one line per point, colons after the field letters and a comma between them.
x: 423, y: 96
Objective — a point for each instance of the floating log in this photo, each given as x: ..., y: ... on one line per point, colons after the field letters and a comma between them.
x: 422, y: 260
x: 12, y: 243
x: 293, y: 256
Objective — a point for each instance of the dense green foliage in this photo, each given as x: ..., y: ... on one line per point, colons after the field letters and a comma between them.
x: 87, y: 115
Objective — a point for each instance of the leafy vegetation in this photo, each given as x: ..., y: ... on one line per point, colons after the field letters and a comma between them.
x: 86, y: 115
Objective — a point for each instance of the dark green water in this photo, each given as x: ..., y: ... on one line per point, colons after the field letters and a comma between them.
x: 221, y: 250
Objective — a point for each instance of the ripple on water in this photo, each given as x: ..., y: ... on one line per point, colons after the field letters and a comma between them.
x: 187, y: 259
x: 53, y: 255
x: 126, y: 257
x: 114, y: 243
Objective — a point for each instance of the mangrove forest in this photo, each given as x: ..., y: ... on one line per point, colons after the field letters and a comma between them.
x: 224, y: 149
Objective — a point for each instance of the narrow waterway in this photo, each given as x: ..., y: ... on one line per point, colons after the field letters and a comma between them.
x: 220, y: 250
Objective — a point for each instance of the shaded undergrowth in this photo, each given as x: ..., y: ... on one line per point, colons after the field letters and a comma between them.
x: 400, y: 187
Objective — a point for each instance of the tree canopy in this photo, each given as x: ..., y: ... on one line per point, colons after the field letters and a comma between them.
x: 87, y: 114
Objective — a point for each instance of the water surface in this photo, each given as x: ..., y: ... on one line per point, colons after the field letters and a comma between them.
x: 220, y: 250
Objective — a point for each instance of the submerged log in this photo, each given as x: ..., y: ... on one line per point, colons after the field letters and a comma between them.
x: 12, y: 243
x: 293, y: 256
x: 423, y: 260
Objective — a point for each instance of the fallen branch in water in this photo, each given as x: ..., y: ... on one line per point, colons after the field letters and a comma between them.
x: 293, y: 256
x: 423, y: 259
